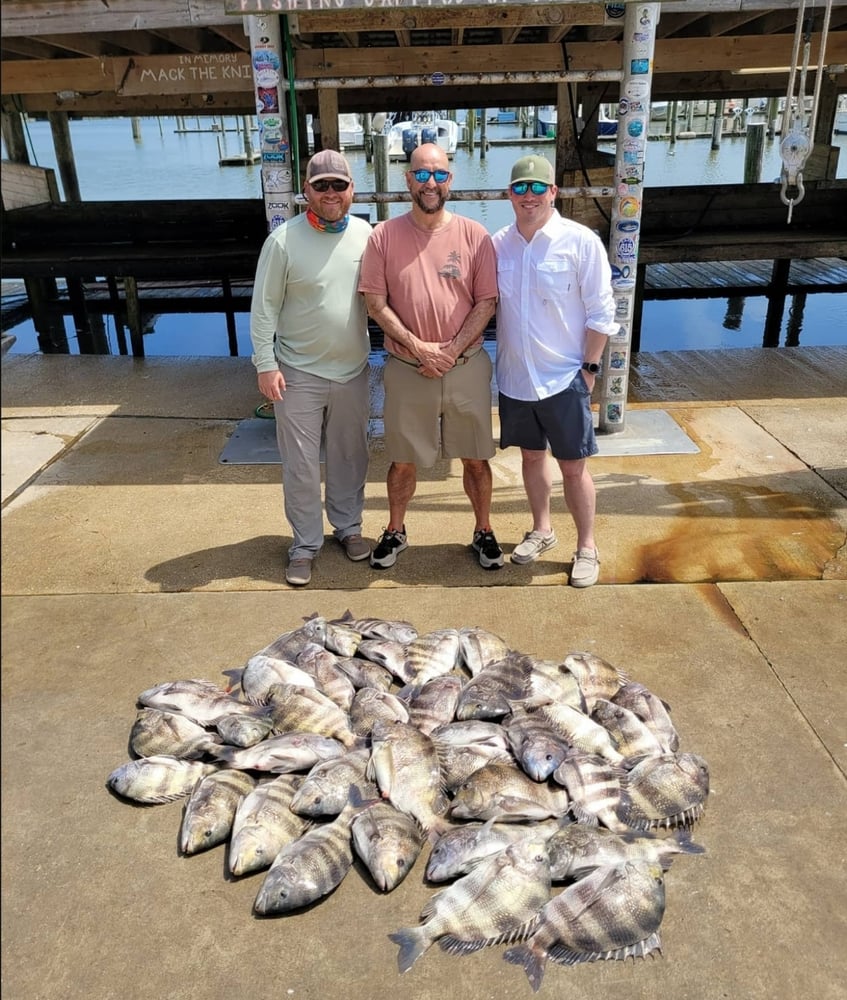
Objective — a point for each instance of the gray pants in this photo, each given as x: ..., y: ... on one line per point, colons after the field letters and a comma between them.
x: 319, y: 420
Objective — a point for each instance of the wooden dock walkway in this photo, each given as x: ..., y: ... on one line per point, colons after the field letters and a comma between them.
x: 714, y: 279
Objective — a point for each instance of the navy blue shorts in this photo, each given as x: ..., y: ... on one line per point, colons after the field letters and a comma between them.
x: 563, y: 423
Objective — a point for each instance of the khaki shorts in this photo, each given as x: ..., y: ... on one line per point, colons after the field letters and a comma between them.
x: 448, y: 416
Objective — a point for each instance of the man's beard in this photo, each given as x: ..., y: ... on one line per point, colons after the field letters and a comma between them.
x: 427, y: 207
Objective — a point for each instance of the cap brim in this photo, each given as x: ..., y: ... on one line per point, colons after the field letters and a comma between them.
x: 330, y: 177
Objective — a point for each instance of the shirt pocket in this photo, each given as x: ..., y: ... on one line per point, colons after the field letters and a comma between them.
x: 506, y: 281
x: 555, y: 279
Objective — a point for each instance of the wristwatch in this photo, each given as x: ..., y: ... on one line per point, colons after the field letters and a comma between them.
x: 591, y: 366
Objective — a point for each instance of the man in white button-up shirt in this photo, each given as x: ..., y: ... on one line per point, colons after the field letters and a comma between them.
x: 554, y: 315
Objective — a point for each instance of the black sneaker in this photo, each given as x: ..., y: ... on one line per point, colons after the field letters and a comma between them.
x: 385, y: 553
x: 490, y: 553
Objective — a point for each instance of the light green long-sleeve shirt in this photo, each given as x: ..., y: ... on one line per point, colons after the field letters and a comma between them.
x: 305, y: 311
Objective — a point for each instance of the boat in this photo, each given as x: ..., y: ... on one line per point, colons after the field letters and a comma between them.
x: 351, y: 132
x: 503, y: 116
x: 546, y: 120
x: 406, y: 136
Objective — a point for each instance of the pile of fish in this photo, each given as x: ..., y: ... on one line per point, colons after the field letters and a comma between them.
x: 361, y: 738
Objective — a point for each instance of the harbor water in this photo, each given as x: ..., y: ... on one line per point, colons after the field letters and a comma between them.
x: 168, y: 158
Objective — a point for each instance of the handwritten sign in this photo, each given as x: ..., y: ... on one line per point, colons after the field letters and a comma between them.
x: 189, y: 73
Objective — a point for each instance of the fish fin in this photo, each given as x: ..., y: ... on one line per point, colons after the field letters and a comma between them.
x: 533, y: 960
x: 686, y: 844
x: 583, y: 815
x: 234, y: 675
x: 413, y: 943
x: 641, y: 949
x: 456, y: 946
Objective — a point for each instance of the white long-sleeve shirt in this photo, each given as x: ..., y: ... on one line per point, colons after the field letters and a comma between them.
x: 552, y: 290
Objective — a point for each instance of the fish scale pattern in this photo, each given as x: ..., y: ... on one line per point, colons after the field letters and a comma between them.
x: 550, y: 796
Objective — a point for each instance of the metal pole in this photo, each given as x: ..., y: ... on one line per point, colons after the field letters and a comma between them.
x: 274, y: 133
x: 639, y: 42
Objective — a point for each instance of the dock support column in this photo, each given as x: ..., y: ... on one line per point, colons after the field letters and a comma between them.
x: 753, y: 152
x: 380, y: 147
x: 639, y: 42
x: 777, y: 291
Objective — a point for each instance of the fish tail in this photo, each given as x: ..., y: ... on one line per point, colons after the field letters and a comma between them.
x: 686, y: 844
x: 533, y: 960
x: 413, y: 943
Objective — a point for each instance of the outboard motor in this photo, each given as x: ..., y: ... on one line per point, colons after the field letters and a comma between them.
x: 429, y: 133
x: 410, y: 141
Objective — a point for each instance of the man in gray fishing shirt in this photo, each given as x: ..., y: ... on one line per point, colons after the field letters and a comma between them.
x: 309, y: 330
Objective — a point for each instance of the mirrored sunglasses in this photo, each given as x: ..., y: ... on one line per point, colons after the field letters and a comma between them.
x: 324, y: 185
x: 422, y: 176
x: 521, y: 187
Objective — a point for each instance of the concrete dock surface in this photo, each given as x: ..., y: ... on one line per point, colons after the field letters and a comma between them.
x: 132, y: 555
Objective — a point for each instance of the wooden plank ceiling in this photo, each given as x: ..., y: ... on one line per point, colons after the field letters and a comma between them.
x: 172, y: 56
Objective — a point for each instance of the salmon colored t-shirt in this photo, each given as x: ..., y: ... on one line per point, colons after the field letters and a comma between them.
x: 432, y: 280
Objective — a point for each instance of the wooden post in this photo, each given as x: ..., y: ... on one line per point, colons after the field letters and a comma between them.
x: 773, y: 114
x: 717, y: 125
x: 64, y: 154
x: 14, y: 137
x: 483, y: 133
x: 672, y: 109
x: 381, y: 173
x: 328, y: 114
x: 777, y: 290
x: 754, y: 150
x: 133, y: 317
x: 136, y: 128
x: 229, y: 310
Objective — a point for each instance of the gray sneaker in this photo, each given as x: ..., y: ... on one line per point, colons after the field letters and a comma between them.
x: 356, y: 547
x: 533, y: 544
x: 298, y: 572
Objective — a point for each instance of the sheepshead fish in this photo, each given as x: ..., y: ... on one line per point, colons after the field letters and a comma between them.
x: 365, y: 673
x: 433, y: 704
x: 201, y: 701
x: 326, y: 788
x: 388, y: 653
x: 169, y: 734
x: 264, y: 823
x: 458, y: 851
x: 241, y: 730
x: 431, y: 655
x: 342, y: 638
x: 380, y: 628
x: 210, y: 809
x: 505, y: 793
x: 460, y: 762
x: 330, y: 679
x: 581, y: 732
x: 667, y: 791
x: 306, y: 710
x: 308, y: 868
x: 613, y: 913
x: 289, y: 644
x: 594, y: 786
x: 157, y: 779
x: 537, y: 747
x: 262, y: 672
x: 282, y: 754
x: 651, y: 710
x: 498, y: 901
x: 471, y: 731
x: 372, y: 704
x: 388, y: 842
x: 577, y: 849
x: 633, y: 737
x: 596, y: 677
x: 490, y: 694
x: 550, y: 680
x: 480, y: 648
x: 404, y: 764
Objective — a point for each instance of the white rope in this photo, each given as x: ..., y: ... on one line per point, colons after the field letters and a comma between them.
x: 798, y: 127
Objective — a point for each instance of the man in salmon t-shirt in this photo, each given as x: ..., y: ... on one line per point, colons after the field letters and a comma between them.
x: 430, y: 281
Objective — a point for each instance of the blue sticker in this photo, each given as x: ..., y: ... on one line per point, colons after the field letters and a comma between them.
x: 635, y: 128
x: 638, y: 66
x: 628, y: 226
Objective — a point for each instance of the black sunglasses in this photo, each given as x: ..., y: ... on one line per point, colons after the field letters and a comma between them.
x: 521, y: 187
x: 422, y: 176
x: 322, y: 186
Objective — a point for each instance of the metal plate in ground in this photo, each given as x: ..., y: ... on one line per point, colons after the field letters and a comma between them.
x: 648, y: 432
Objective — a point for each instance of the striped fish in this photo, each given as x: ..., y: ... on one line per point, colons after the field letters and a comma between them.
x: 210, y: 809
x: 498, y: 901
x: 158, y: 778
x: 309, y: 868
x: 594, y: 786
x: 614, y: 913
x: 264, y: 823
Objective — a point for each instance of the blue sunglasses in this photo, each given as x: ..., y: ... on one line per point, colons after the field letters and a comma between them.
x: 422, y: 176
x: 521, y: 187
